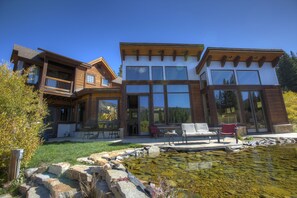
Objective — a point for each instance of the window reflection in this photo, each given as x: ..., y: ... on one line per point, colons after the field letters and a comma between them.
x: 227, y: 106
x: 176, y: 73
x: 137, y: 73
x: 108, y: 113
x: 223, y: 77
x: 248, y: 78
x: 157, y: 73
x: 137, y: 88
x: 159, y: 104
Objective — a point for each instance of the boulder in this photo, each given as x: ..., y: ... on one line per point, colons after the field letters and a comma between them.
x: 85, y: 160
x: 42, y: 169
x: 128, y: 190
x: 62, y: 187
x: 59, y: 168
x: 113, y: 176
x: 23, y: 188
x: 153, y: 151
x: 101, y: 161
x: 38, y: 192
x: 5, y: 196
x: 102, y: 189
x: 78, y: 172
x: 40, y: 177
x: 30, y: 171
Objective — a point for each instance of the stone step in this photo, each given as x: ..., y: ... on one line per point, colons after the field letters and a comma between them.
x: 80, y: 172
x: 38, y: 192
x: 40, y: 177
x: 62, y: 187
x: 59, y: 168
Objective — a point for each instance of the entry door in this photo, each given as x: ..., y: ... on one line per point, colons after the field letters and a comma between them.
x: 254, y: 111
x: 143, y: 115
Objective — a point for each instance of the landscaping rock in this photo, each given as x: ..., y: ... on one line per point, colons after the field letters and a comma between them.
x: 42, y: 169
x: 101, y: 161
x: 102, y: 189
x: 23, y: 188
x: 40, y: 177
x: 128, y: 190
x: 30, y: 171
x: 59, y: 168
x: 38, y: 192
x: 5, y: 196
x: 85, y: 160
x: 107, y: 166
x: 62, y: 188
x: 77, y: 172
x: 153, y: 151
x: 112, y: 176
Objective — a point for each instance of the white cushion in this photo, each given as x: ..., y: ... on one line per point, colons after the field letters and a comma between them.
x: 188, y: 127
x: 201, y: 127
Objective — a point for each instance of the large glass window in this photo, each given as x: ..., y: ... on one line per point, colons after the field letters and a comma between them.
x: 33, y: 75
x: 223, y: 77
x: 137, y: 89
x: 248, y: 78
x: 159, y: 105
x: 108, y: 113
x: 179, y: 108
x: 227, y: 106
x: 157, y: 73
x: 137, y: 73
x: 176, y: 73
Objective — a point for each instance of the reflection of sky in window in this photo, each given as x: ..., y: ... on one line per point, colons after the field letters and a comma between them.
x: 137, y: 89
x: 157, y: 88
x: 176, y: 73
x: 179, y: 100
x: 158, y: 100
x: 248, y: 78
x: 222, y: 77
x: 137, y: 73
x: 157, y: 73
x: 177, y: 88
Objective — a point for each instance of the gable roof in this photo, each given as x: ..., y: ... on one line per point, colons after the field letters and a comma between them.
x: 102, y: 60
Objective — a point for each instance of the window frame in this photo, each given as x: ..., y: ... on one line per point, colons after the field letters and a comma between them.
x: 88, y: 74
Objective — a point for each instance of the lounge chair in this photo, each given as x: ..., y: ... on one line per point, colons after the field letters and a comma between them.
x: 196, y: 130
x: 228, y: 130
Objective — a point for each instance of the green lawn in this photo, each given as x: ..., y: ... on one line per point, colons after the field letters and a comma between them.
x: 69, y: 151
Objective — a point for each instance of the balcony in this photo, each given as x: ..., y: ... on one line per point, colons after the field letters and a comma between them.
x: 58, y: 86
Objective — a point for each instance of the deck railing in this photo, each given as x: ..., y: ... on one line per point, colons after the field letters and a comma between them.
x: 58, y: 85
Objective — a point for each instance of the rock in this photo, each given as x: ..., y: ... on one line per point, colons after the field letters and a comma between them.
x: 5, y: 196
x: 62, y: 188
x: 106, y: 156
x: 30, y: 171
x: 42, y: 169
x: 59, y: 168
x: 85, y: 160
x: 38, y: 192
x: 113, y: 176
x: 40, y: 177
x: 78, y: 172
x: 107, y: 166
x: 128, y: 190
x: 102, y: 188
x: 153, y: 151
x: 120, y: 158
x: 101, y: 161
x: 23, y: 188
x: 96, y: 156
x: 129, y: 152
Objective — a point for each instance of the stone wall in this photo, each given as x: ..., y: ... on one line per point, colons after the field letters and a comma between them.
x: 283, y: 128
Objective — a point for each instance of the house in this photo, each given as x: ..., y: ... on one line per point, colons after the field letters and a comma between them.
x: 79, y: 95
x: 163, y: 85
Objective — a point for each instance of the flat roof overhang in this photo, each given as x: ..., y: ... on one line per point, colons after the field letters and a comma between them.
x: 237, y: 55
x: 97, y: 90
x: 160, y: 49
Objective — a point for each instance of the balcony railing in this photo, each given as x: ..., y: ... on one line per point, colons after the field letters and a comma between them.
x: 58, y: 85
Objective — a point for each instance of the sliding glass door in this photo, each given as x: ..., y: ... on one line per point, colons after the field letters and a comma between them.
x: 254, y: 111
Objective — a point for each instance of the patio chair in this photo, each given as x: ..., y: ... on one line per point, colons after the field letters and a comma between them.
x: 228, y: 130
x: 154, y: 131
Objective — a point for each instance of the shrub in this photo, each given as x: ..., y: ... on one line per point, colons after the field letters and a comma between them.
x: 290, y: 99
x: 21, y: 116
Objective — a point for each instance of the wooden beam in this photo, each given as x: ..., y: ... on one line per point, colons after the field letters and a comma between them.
x: 236, y: 61
x: 174, y: 55
x: 208, y: 60
x: 223, y: 61
x: 186, y: 53
x: 275, y: 62
x: 162, y: 54
x: 150, y: 55
x: 249, y: 61
x: 137, y: 55
x: 123, y: 55
x: 199, y: 55
x: 261, y: 61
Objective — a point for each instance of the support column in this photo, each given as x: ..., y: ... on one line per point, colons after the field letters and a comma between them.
x: 43, y: 76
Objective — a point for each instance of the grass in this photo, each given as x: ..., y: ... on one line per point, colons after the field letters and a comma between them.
x: 50, y: 153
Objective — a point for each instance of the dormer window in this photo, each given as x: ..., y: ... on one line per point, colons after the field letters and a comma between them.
x: 105, y: 82
x: 90, y: 79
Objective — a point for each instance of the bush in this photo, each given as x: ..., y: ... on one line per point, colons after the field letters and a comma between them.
x: 290, y: 99
x: 22, y: 112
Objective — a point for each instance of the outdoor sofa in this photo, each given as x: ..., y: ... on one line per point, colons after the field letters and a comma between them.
x: 196, y: 130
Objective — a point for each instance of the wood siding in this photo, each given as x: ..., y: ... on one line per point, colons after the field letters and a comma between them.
x: 276, y: 110
x: 79, y: 83
x: 196, y: 103
x: 98, y: 72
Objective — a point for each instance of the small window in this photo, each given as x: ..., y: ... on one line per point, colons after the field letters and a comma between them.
x: 105, y: 82
x: 33, y: 75
x: 90, y: 79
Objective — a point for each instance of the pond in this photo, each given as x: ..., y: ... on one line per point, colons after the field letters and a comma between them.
x: 261, y: 171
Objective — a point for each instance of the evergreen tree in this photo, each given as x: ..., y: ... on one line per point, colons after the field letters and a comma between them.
x: 287, y: 72
x: 120, y: 72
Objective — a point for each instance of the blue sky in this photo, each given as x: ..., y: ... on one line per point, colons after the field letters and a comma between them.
x: 86, y: 30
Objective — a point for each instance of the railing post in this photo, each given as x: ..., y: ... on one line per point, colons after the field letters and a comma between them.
x: 15, y: 164
x: 71, y: 87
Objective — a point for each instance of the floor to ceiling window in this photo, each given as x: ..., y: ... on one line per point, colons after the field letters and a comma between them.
x: 108, y: 113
